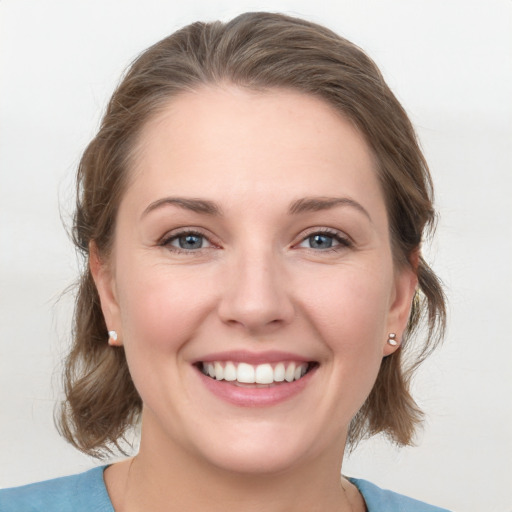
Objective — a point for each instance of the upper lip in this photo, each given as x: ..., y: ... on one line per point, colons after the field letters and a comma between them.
x: 244, y: 356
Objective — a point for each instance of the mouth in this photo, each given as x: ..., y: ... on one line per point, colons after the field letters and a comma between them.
x: 256, y: 375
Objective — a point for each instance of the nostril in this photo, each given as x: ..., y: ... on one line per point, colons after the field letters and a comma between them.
x: 256, y: 303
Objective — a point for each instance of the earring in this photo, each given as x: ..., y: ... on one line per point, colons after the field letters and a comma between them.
x: 392, y: 339
x: 112, y: 338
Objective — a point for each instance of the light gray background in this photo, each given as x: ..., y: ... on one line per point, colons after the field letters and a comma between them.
x: 449, y: 62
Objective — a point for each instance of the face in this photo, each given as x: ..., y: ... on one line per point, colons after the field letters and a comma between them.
x: 251, y: 280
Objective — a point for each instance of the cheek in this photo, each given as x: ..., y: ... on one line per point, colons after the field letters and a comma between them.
x: 350, y: 304
x: 160, y: 314
x: 350, y: 313
x: 160, y: 310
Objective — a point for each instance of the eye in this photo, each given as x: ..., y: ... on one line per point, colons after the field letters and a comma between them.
x: 325, y: 240
x: 186, y: 241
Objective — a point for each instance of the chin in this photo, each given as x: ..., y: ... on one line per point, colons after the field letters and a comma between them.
x: 261, y: 448
x: 255, y: 459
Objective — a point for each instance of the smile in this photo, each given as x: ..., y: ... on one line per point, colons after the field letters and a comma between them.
x: 244, y: 373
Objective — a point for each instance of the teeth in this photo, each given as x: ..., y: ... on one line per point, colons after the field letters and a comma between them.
x: 279, y: 372
x: 230, y: 372
x: 259, y: 374
x: 264, y: 374
x: 245, y: 373
x: 219, y: 371
x: 289, y: 374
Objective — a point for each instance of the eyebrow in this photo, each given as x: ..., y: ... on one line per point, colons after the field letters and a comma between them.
x: 315, y: 204
x: 303, y: 205
x: 196, y: 205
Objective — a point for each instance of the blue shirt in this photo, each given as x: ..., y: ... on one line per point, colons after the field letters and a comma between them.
x: 86, y: 492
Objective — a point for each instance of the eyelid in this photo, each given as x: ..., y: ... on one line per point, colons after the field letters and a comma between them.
x: 341, y: 237
x: 174, y: 234
x: 344, y: 240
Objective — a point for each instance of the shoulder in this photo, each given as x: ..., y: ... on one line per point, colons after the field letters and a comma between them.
x: 76, y: 493
x: 380, y: 500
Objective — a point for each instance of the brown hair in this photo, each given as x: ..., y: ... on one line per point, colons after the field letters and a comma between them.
x: 259, y: 51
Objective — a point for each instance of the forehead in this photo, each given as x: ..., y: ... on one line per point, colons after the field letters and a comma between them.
x: 274, y: 143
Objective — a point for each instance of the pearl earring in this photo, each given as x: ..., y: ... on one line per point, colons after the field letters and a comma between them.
x: 112, y: 338
x: 392, y: 339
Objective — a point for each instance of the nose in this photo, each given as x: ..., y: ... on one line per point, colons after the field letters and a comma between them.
x: 255, y: 297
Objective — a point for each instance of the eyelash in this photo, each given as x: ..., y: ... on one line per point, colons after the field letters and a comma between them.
x: 166, y: 241
x: 343, y: 241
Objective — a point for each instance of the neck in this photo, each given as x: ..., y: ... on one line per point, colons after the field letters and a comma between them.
x: 174, y: 480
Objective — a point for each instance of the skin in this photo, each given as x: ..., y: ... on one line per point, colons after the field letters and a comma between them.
x: 257, y: 284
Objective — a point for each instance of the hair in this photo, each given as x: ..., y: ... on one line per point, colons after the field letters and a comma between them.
x: 259, y: 51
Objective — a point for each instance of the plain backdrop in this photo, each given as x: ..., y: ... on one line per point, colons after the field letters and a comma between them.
x: 448, y: 61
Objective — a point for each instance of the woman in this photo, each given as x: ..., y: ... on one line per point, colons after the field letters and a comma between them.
x: 251, y: 213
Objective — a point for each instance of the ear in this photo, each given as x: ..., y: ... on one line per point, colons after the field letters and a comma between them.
x: 406, y: 281
x: 105, y: 284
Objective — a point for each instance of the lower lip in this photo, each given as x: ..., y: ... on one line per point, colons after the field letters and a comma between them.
x: 252, y: 396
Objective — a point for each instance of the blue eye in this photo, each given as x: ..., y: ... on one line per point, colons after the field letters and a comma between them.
x: 320, y: 241
x: 187, y: 241
x: 325, y: 241
x: 190, y: 241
